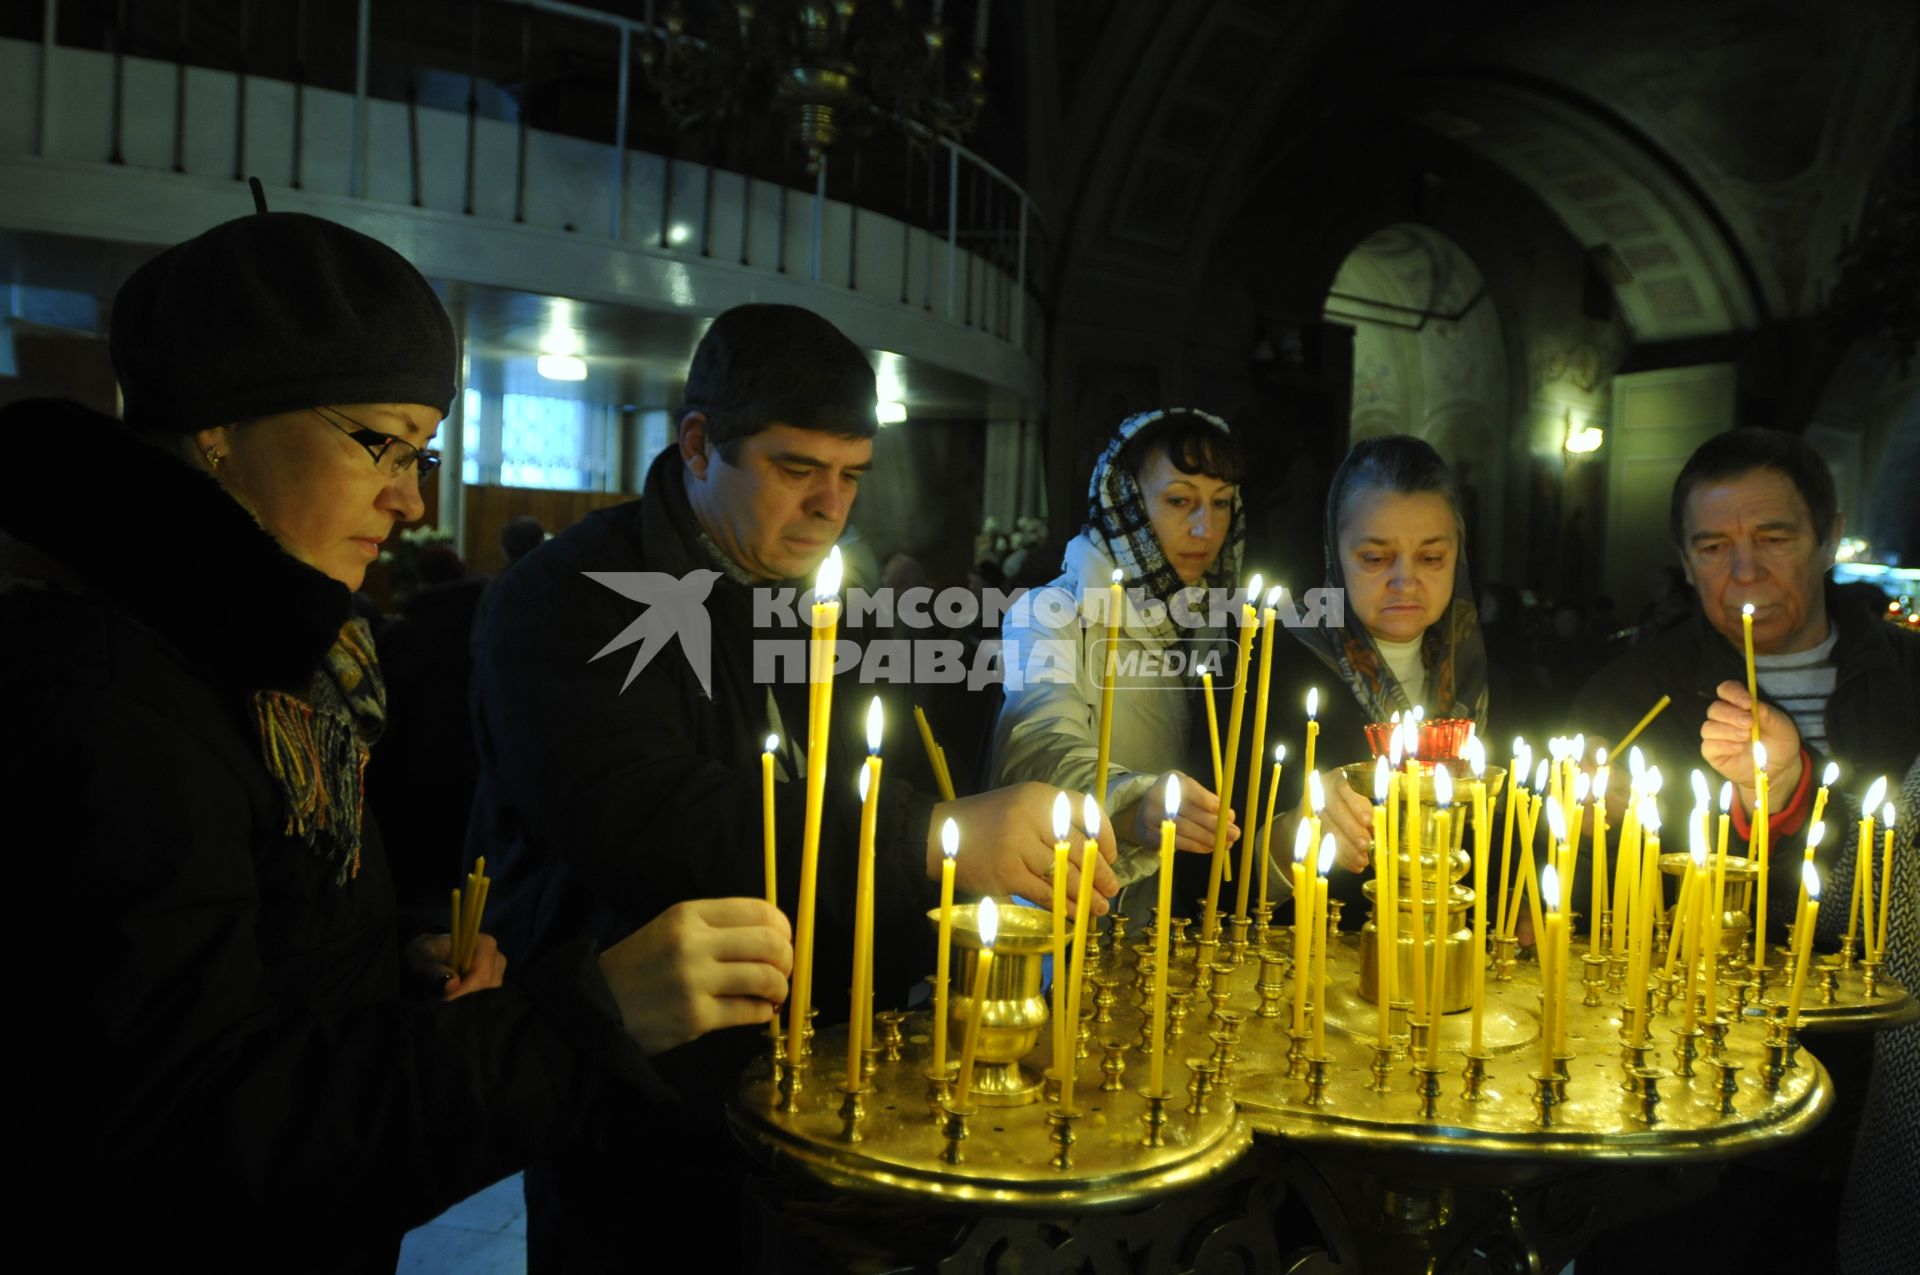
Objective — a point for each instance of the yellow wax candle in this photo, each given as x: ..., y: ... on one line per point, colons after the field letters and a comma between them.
x: 1157, y: 1073
x: 1313, y: 724
x: 1816, y: 833
x: 1681, y: 911
x: 1383, y: 874
x: 1442, y: 839
x: 1549, y: 977
x: 1863, y: 865
x: 1213, y: 726
x: 989, y: 916
x: 1803, y: 941
x: 1697, y: 868
x: 1210, y: 923
x: 1266, y: 830
x: 1555, y: 898
x: 1760, y: 845
x: 1109, y: 666
x: 1482, y: 842
x: 1716, y: 904
x: 1827, y: 777
x: 1416, y: 889
x: 1626, y: 741
x: 455, y: 930
x: 860, y: 1023
x: 1649, y: 891
x: 1517, y: 765
x: 1529, y: 884
x: 1626, y: 870
x: 1753, y: 692
x: 1320, y: 948
x: 1083, y: 910
x: 1062, y: 1029
x: 1257, y: 755
x: 766, y: 818
x: 1886, y: 879
x: 936, y: 760
x: 949, y: 848
x: 826, y: 627
x: 1302, y: 922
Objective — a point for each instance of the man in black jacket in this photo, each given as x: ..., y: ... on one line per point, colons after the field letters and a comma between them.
x: 619, y: 776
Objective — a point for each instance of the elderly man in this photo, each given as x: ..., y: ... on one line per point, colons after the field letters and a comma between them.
x: 1755, y: 521
x: 614, y: 787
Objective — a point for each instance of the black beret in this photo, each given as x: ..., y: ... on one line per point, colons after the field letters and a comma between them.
x: 272, y: 313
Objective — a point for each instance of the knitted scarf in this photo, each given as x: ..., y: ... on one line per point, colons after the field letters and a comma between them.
x: 1120, y: 525
x: 316, y: 747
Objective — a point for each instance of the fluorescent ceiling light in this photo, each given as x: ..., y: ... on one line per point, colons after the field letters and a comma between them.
x: 892, y: 411
x: 561, y: 367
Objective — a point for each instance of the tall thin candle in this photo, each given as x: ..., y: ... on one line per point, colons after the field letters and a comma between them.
x: 1550, y: 980
x: 1703, y: 883
x: 1210, y: 919
x: 825, y: 632
x: 943, y: 956
x: 1383, y: 874
x: 1302, y: 923
x: 1320, y: 947
x: 1753, y: 692
x: 1810, y: 879
x: 1886, y: 880
x: 1443, y: 829
x: 1062, y: 1029
x: 1157, y: 1073
x: 860, y: 1024
x: 1083, y: 909
x: 767, y: 821
x: 1109, y: 664
x: 1760, y: 848
x: 1266, y: 831
x: 1482, y: 843
x: 989, y: 922
x: 1256, y: 755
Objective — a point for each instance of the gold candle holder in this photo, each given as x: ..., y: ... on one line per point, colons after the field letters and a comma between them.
x: 1144, y: 1042
x: 1012, y: 1008
x: 1686, y: 1047
x: 1050, y: 1085
x: 1870, y: 978
x: 1729, y: 1086
x: 1504, y: 959
x: 1272, y: 985
x: 806, y: 1035
x: 891, y: 1035
x: 1716, y: 1033
x: 940, y: 1091
x: 1262, y: 927
x: 1060, y: 1130
x: 1203, y: 950
x: 1237, y: 940
x: 1117, y: 930
x: 1222, y: 989
x: 1428, y: 1087
x: 1776, y: 1065
x: 1547, y: 1098
x: 1182, y: 940
x: 1665, y: 988
x: 1297, y: 1053
x: 1646, y: 1092
x: 1616, y: 973
x: 1104, y: 996
x: 1633, y: 1060
x: 955, y: 1132
x: 1474, y: 1078
x: 1200, y: 1085
x: 1382, y: 1068
x: 869, y: 1062
x: 789, y: 1086
x: 1830, y: 983
x: 1400, y: 1028
x: 1113, y: 1065
x: 1593, y: 978
x: 852, y: 1112
x: 1561, y: 1074
x: 1334, y: 908
x: 1417, y: 1029
x: 1317, y: 1081
x: 1082, y: 1034
x: 1155, y: 1119
x: 1145, y: 973
x: 1846, y: 951
x: 1178, y: 1007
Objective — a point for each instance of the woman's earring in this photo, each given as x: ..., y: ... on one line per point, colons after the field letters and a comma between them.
x: 214, y: 456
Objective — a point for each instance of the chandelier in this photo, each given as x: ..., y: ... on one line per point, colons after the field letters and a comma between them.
x: 829, y: 67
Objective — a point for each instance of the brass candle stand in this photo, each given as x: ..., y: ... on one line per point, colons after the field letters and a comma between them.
x: 1842, y: 997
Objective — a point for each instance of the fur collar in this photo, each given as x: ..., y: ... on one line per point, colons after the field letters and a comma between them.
x: 163, y: 543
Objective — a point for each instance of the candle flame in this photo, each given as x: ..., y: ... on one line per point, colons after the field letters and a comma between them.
x: 1816, y: 834
x: 773, y: 743
x: 989, y: 922
x: 1419, y: 712
x: 1636, y: 764
x: 1173, y: 797
x: 1699, y: 850
x: 1326, y: 854
x: 1302, y: 842
x: 1117, y: 577
x: 1700, y: 794
x: 1442, y: 786
x: 1316, y: 793
x: 1759, y: 757
x: 1650, y: 816
x: 876, y: 725
x: 1540, y: 777
x: 1600, y: 777
x: 950, y: 838
x: 1747, y: 610
x: 1556, y: 823
x: 1090, y: 816
x: 1811, y: 876
x: 1062, y: 817
x: 1476, y: 756
x: 1253, y: 590
x: 1273, y: 595
x: 866, y: 777
x: 1655, y: 781
x: 1313, y: 704
x: 1550, y: 886
x: 1886, y: 815
x: 827, y: 584
x: 1874, y: 794
x: 1396, y: 748
x: 1279, y: 754
x: 1519, y: 745
x: 1600, y: 757
x: 1831, y: 773
x: 1382, y: 776
x: 1395, y: 719
x: 1580, y: 747
x: 1726, y: 796
x: 1582, y: 785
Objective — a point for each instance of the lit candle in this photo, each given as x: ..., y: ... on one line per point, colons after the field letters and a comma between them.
x: 1601, y: 775
x: 1383, y: 874
x: 1109, y: 666
x: 1443, y: 828
x: 766, y: 819
x: 1760, y: 850
x: 1482, y: 843
x: 1886, y: 879
x: 1320, y: 948
x: 1716, y: 904
x: 1302, y: 924
x: 1530, y: 887
x: 1626, y: 870
x: 1266, y: 830
x: 989, y: 918
x: 1416, y: 886
x: 1549, y: 977
x: 1682, y: 910
x: 936, y: 757
x: 1697, y: 872
x: 1257, y: 754
x: 1213, y: 725
x: 1649, y: 895
x: 1157, y: 1073
x: 826, y: 627
x: 1062, y: 1029
x: 860, y: 1024
x: 1210, y: 924
x: 1083, y: 909
x: 1816, y: 833
x: 1753, y: 692
x: 1827, y: 777
x: 1863, y: 868
x: 949, y: 848
x: 1810, y: 880
x: 1517, y: 765
x: 1313, y: 724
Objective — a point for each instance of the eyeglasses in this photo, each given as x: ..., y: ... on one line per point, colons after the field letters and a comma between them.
x: 393, y: 456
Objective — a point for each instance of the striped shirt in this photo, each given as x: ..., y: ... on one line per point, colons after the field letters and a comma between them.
x: 1801, y: 683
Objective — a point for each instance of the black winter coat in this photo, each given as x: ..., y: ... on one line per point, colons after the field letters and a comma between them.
x: 211, y: 1065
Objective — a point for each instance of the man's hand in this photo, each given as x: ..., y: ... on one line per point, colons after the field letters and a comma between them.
x: 1726, y: 743
x: 429, y: 964
x: 1193, y: 829
x: 700, y: 966
x: 1006, y: 846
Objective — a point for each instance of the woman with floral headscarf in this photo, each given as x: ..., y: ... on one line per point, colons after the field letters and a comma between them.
x: 1164, y: 517
x: 1404, y: 636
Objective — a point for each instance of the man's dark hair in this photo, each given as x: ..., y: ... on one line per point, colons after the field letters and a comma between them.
x: 520, y: 536
x: 1398, y: 463
x: 1741, y: 451
x: 759, y: 364
x: 1194, y: 444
